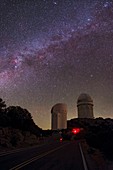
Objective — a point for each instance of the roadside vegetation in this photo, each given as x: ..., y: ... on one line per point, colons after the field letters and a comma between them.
x: 98, y: 134
x: 17, y: 126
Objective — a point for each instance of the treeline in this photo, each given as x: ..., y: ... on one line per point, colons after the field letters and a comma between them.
x: 97, y: 132
x: 100, y: 136
x: 18, y: 118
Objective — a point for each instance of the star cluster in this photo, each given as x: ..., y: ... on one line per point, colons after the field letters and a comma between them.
x: 53, y: 50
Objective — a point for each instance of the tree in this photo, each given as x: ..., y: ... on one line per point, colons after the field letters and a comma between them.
x: 2, y: 105
x: 18, y: 116
x: 3, y: 117
x: 21, y: 118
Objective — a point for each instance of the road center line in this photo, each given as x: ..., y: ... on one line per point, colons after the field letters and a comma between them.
x: 83, y: 158
x: 35, y: 158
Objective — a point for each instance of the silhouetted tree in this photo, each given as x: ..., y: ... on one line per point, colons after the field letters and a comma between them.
x: 21, y: 118
x: 2, y: 105
x: 100, y: 136
x: 17, y: 117
x: 3, y: 116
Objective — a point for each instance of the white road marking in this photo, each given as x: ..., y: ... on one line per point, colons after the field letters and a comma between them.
x: 83, y: 158
x: 21, y: 165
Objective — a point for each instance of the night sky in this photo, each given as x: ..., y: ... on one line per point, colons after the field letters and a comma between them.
x: 51, y: 51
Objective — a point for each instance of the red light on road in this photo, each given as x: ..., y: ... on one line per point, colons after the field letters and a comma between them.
x: 61, y: 139
x: 75, y: 130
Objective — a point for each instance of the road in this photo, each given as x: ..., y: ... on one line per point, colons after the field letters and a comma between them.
x: 52, y: 156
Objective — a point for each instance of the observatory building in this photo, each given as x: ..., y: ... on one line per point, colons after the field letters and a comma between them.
x: 59, y: 116
x: 85, y: 106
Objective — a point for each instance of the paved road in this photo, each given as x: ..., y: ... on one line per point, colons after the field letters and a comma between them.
x: 54, y: 156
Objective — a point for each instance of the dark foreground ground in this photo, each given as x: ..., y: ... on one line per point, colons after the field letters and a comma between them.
x: 56, y: 155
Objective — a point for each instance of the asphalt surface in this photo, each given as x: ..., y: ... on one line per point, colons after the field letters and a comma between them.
x: 52, y: 156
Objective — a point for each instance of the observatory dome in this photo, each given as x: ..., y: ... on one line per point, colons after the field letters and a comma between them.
x: 59, y: 107
x: 59, y: 116
x: 85, y: 106
x: 84, y: 99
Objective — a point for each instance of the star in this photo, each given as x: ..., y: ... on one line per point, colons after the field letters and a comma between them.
x: 54, y: 2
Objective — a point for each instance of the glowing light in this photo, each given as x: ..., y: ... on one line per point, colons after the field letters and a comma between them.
x: 55, y: 3
x: 61, y: 139
x: 107, y: 4
x: 89, y: 19
x: 75, y: 130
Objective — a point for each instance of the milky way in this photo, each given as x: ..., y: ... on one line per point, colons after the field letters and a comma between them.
x: 53, y: 50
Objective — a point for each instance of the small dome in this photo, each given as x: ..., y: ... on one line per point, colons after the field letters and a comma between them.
x: 59, y: 107
x: 84, y: 98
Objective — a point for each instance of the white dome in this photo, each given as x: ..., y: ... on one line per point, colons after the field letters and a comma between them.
x: 59, y: 107
x: 84, y: 98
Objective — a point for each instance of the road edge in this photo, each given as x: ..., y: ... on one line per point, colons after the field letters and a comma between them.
x: 83, y: 158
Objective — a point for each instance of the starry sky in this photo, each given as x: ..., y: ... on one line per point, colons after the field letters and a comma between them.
x: 51, y: 51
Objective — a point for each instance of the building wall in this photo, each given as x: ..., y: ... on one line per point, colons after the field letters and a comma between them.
x: 59, y: 116
x: 54, y: 121
x: 62, y: 120
x: 58, y: 121
x: 85, y: 111
x: 85, y: 106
